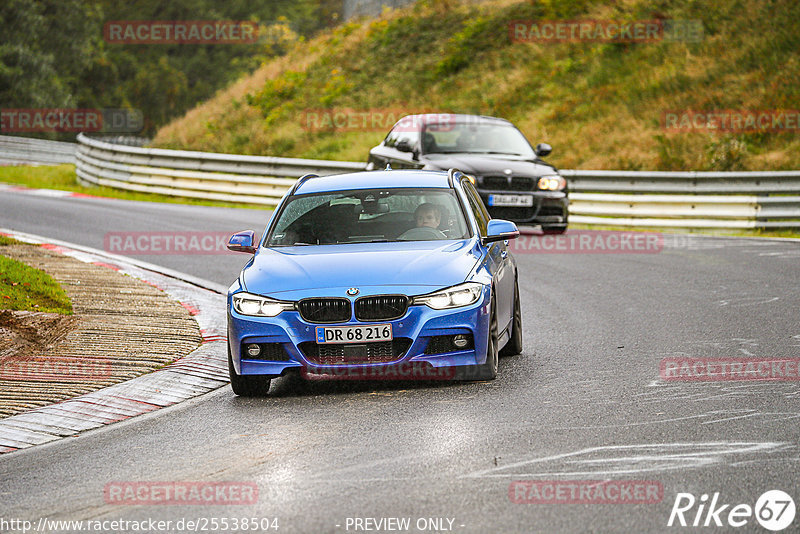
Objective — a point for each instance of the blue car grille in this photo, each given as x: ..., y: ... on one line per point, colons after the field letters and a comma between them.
x: 269, y: 351
x: 325, y: 310
x: 381, y: 308
x: 444, y: 344
x: 351, y: 353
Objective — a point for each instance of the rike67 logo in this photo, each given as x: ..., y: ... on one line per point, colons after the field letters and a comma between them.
x: 774, y: 510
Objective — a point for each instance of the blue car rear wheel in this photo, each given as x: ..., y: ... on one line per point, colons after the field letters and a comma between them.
x: 514, y: 345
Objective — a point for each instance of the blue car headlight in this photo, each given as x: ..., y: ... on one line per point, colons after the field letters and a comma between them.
x: 249, y: 304
x: 452, y: 297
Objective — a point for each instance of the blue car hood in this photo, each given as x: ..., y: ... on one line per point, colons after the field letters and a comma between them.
x: 414, y: 267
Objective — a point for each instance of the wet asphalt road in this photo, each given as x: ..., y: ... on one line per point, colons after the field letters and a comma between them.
x: 583, y: 402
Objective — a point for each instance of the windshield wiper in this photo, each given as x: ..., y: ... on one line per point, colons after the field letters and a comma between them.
x: 474, y: 152
x: 493, y: 152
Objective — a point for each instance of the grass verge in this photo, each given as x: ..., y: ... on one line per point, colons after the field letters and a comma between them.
x: 601, y: 105
x: 24, y: 288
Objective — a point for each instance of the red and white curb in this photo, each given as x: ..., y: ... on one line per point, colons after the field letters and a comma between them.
x: 55, y: 193
x: 202, y: 371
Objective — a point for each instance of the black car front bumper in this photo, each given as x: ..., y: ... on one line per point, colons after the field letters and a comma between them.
x: 549, y: 207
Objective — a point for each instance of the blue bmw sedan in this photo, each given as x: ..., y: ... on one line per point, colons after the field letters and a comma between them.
x: 375, y: 275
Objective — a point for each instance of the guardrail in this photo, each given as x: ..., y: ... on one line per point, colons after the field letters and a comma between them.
x: 745, y: 199
x: 613, y: 198
x: 207, y: 175
x: 26, y: 150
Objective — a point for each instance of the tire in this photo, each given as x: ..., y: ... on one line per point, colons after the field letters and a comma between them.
x: 247, y: 386
x: 554, y: 229
x: 488, y: 370
x: 514, y: 345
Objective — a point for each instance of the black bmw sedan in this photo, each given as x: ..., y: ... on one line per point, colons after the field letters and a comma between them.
x: 513, y: 181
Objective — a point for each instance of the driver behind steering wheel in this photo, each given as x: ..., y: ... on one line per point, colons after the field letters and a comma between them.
x: 428, y: 217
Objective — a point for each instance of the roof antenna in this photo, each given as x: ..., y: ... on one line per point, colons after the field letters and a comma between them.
x: 388, y: 167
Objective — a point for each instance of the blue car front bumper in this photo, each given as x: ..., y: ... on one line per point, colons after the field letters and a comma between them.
x: 416, y: 333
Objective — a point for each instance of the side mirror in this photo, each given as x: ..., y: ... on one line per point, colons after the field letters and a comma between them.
x: 543, y: 149
x: 500, y: 230
x: 243, y: 242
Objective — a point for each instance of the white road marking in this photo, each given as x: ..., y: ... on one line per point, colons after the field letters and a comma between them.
x: 631, y: 459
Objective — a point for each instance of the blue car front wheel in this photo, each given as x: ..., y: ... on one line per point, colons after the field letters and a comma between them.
x: 247, y: 386
x: 488, y: 370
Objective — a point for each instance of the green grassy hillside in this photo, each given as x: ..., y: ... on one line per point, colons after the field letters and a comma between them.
x: 599, y: 104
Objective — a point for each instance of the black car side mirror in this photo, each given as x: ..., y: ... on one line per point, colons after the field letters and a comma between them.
x: 543, y: 149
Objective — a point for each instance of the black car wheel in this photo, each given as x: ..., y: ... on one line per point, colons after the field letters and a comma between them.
x: 247, y: 386
x: 554, y: 229
x: 488, y: 370
x: 514, y: 345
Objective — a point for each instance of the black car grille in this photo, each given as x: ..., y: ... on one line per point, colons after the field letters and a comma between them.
x: 325, y: 310
x: 548, y: 211
x: 381, y: 308
x: 517, y: 183
x: 512, y: 213
x: 350, y: 353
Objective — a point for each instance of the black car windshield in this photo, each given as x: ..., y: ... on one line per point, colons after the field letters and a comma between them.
x: 475, y: 138
x: 369, y: 216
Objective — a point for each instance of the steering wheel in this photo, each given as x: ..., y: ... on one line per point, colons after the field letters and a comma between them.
x: 423, y: 233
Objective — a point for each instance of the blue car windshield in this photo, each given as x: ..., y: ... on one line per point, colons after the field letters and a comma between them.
x: 369, y: 216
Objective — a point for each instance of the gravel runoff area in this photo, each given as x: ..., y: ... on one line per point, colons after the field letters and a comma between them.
x: 142, y: 338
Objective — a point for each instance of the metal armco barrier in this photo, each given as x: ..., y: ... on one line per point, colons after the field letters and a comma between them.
x: 207, y: 175
x: 750, y: 199
x: 611, y: 198
x: 26, y: 150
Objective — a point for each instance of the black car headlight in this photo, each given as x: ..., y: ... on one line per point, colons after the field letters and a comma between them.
x: 452, y: 297
x: 552, y: 182
x: 258, y: 306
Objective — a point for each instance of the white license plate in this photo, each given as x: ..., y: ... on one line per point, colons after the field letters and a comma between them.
x: 525, y: 201
x: 354, y: 334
